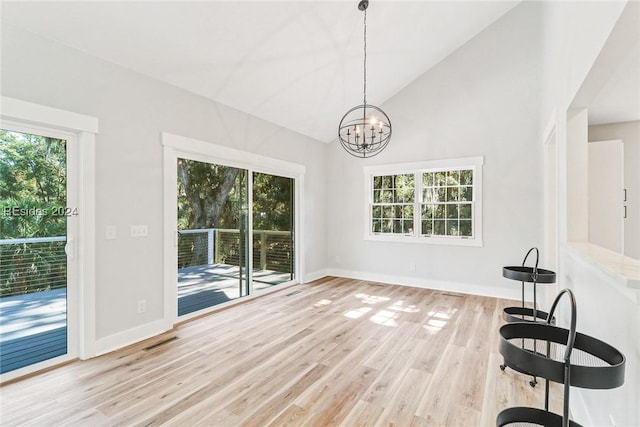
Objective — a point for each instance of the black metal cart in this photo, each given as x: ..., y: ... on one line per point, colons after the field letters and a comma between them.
x: 524, y: 275
x: 532, y: 275
x: 569, y: 358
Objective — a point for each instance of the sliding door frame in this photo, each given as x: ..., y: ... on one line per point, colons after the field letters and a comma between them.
x: 175, y: 147
x: 80, y: 133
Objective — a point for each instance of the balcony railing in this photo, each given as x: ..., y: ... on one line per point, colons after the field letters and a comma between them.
x: 39, y: 264
x: 272, y: 250
x: 32, y: 265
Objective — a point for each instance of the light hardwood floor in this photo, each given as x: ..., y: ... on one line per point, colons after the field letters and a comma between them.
x: 334, y: 352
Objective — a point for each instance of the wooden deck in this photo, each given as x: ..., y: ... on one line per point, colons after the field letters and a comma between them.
x: 204, y: 286
x: 33, y: 327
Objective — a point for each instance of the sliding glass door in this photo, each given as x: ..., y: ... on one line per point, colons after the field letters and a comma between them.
x: 273, y: 230
x: 223, y: 254
x: 213, y: 242
x: 34, y: 214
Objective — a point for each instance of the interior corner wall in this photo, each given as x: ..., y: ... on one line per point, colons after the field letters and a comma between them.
x: 132, y: 111
x: 574, y: 35
x: 482, y: 100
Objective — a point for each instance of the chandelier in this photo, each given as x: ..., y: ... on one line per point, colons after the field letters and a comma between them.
x: 365, y: 130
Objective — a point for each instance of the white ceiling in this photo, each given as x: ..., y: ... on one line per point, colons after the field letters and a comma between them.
x: 298, y: 64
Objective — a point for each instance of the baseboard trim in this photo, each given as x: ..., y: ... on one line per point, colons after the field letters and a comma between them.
x: 310, y: 277
x: 130, y: 336
x: 443, y: 285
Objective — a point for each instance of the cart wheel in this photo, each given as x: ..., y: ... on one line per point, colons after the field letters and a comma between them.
x: 503, y: 367
x: 533, y: 382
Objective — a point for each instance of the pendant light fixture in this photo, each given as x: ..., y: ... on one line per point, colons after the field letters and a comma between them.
x: 365, y: 130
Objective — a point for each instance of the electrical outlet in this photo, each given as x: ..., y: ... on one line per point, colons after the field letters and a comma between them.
x: 142, y: 306
x: 139, y: 231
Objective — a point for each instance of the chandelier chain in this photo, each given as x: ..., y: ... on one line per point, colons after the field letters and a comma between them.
x: 365, y: 57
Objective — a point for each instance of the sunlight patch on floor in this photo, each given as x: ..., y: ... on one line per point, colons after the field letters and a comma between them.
x: 382, y: 317
x: 322, y: 302
x: 437, y: 320
x: 402, y: 306
x: 359, y: 312
x: 371, y: 299
x: 385, y: 317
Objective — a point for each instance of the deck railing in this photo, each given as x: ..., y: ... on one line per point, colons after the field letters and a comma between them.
x: 32, y: 265
x: 40, y: 263
x: 272, y: 250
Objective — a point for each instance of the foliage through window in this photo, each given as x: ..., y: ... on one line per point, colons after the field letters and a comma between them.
x: 430, y: 201
x: 393, y: 204
x: 447, y: 203
x: 33, y: 213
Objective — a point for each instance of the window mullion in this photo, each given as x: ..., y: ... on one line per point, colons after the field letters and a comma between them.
x: 417, y: 205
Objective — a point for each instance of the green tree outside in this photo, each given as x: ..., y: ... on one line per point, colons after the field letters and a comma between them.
x: 33, y: 191
x: 215, y: 196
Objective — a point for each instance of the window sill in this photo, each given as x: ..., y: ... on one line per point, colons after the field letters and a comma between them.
x: 395, y: 238
x: 623, y: 269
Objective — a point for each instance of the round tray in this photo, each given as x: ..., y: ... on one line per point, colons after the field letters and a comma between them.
x: 594, y: 364
x: 535, y: 417
x: 525, y: 274
x: 524, y: 314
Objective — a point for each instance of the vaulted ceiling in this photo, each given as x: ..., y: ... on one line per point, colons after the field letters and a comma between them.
x: 298, y: 64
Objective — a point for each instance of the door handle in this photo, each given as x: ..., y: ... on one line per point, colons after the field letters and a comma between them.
x: 70, y: 248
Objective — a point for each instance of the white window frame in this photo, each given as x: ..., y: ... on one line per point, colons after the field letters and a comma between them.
x: 475, y: 163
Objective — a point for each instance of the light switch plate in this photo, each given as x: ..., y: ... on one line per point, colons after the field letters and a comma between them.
x: 111, y: 232
x: 139, y: 231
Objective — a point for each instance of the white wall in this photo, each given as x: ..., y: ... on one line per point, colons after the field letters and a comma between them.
x: 481, y: 100
x: 629, y: 133
x: 574, y: 34
x: 133, y: 110
x: 606, y: 185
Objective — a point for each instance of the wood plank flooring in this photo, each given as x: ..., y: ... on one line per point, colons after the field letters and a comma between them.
x: 336, y: 352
